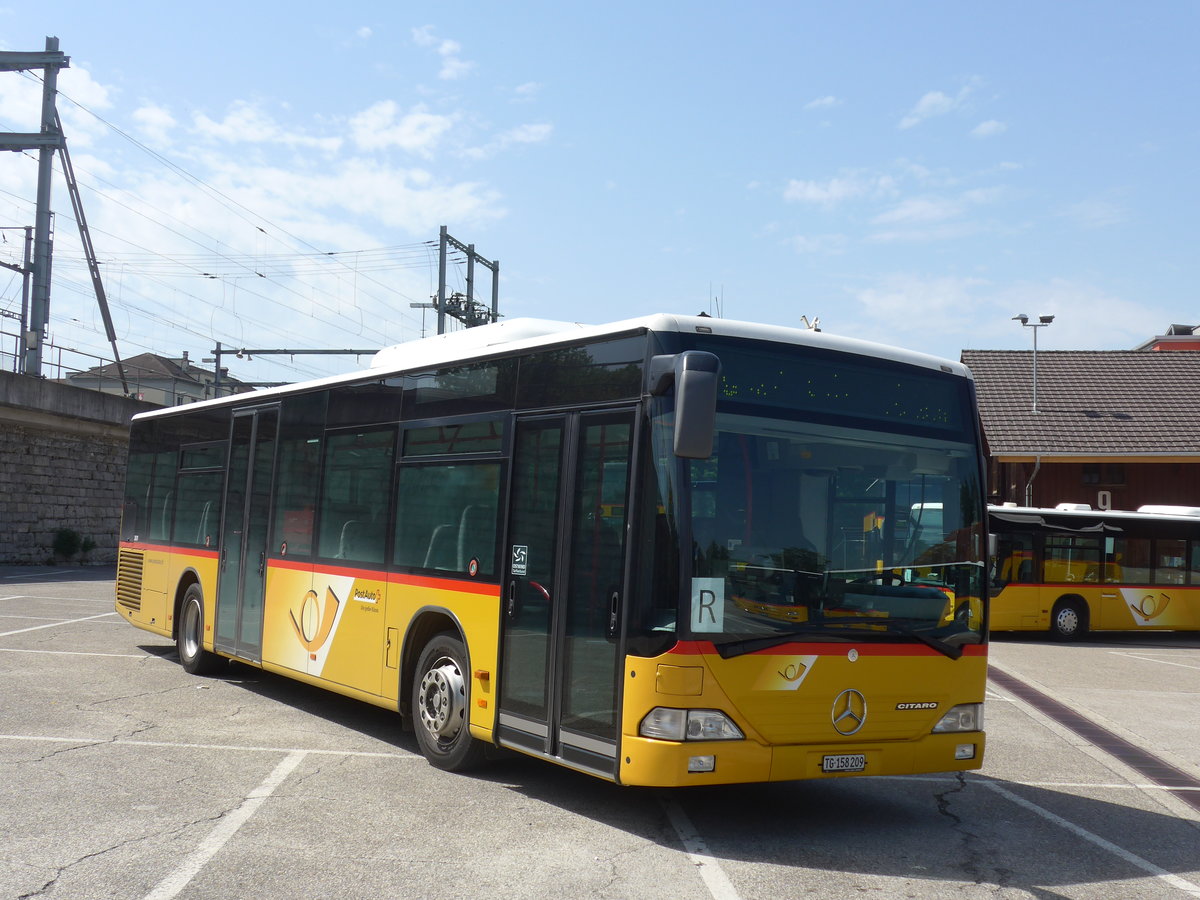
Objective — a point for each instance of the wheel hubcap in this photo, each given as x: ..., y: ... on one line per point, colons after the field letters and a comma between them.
x: 191, y: 629
x: 443, y: 700
x: 1068, y: 620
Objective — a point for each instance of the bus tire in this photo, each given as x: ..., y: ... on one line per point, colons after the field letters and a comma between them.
x: 440, y: 703
x: 1069, y: 619
x: 189, y: 635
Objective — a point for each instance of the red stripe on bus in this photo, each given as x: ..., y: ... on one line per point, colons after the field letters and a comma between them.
x: 167, y: 548
x: 422, y: 581
x: 445, y: 584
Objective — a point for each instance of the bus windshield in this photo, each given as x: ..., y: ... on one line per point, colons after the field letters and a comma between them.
x: 831, y: 525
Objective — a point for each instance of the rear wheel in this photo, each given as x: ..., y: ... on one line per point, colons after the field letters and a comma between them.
x: 1069, y: 620
x: 189, y: 635
x: 440, y: 698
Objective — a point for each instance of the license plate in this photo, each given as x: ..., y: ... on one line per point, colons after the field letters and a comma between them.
x: 844, y: 762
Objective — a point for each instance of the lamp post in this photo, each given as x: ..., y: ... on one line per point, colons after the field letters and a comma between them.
x: 1042, y: 322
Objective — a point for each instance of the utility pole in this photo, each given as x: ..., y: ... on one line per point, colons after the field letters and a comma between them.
x: 465, y: 308
x: 25, y: 271
x: 51, y: 138
x: 46, y: 141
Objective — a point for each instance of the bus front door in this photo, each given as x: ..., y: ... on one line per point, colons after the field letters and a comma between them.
x: 564, y: 586
x: 243, y: 555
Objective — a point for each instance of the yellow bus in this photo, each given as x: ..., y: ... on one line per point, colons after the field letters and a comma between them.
x: 1072, y: 569
x: 665, y: 551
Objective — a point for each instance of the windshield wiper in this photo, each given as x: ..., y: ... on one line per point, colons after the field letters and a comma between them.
x: 729, y: 649
x: 954, y: 651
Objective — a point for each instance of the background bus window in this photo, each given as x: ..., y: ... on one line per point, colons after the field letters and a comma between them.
x: 354, y: 495
x: 446, y: 517
x: 1013, y: 562
x: 1128, y: 560
x: 1170, y: 561
x: 1193, y: 564
x: 1072, y: 559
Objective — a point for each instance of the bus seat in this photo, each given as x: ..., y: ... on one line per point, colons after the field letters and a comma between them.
x: 477, y: 536
x: 202, y: 527
x: 1025, y: 572
x: 442, y: 546
x: 350, y: 539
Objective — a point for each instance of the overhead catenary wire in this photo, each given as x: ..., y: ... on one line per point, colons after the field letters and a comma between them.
x: 362, y: 266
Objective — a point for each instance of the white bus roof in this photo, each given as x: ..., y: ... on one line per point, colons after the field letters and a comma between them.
x: 1144, y: 513
x: 527, y: 334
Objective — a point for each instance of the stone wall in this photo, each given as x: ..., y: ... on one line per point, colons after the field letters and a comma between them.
x: 62, y: 466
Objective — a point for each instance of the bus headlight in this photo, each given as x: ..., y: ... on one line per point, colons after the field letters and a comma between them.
x: 668, y: 724
x: 964, y: 717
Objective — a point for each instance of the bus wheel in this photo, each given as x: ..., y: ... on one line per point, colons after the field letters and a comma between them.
x: 1069, y: 621
x: 439, y: 704
x: 189, y: 635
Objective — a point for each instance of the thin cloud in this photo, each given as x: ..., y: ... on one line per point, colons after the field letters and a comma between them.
x: 453, y: 67
x: 987, y: 129
x: 920, y: 210
x: 823, y: 102
x: 524, y: 93
x: 836, y: 190
x: 933, y: 104
x: 155, y: 123
x: 819, y: 244
x: 522, y: 134
x: 1094, y: 214
x: 247, y: 123
x: 381, y: 126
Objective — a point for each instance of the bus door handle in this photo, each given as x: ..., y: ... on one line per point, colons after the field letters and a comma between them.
x: 511, y: 611
x: 614, y: 608
x: 262, y: 563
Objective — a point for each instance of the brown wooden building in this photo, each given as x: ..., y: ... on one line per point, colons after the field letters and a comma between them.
x: 1116, y: 429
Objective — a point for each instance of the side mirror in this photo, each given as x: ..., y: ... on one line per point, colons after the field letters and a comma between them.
x: 696, y: 376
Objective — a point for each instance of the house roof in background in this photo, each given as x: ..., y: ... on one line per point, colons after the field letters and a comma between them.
x: 1090, y: 402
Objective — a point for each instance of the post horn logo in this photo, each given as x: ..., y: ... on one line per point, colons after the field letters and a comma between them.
x: 314, y: 623
x: 849, y: 712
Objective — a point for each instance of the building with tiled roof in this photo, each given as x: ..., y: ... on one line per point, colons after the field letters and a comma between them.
x: 1116, y: 428
x: 158, y: 379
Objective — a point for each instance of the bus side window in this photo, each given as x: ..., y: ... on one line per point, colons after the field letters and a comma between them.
x: 1014, y: 560
x: 446, y: 517
x: 354, y: 495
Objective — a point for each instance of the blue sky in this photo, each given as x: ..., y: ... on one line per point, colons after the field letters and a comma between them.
x: 915, y: 174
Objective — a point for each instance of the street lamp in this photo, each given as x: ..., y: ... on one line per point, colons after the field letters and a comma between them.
x: 1042, y: 322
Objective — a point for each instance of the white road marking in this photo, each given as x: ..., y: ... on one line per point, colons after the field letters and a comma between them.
x: 1163, y: 662
x: 1132, y: 858
x: 226, y: 828
x: 715, y: 879
x: 81, y: 653
x: 55, y: 624
x: 35, y: 738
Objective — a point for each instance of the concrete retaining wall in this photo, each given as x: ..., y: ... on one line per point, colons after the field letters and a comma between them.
x: 62, y: 465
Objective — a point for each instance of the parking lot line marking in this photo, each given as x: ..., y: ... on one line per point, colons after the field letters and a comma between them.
x: 55, y: 624
x: 1132, y: 858
x: 715, y: 879
x: 51, y: 739
x: 226, y: 828
x: 1165, y: 662
x: 81, y: 653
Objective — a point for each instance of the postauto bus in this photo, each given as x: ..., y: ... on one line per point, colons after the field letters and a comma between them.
x: 665, y: 551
